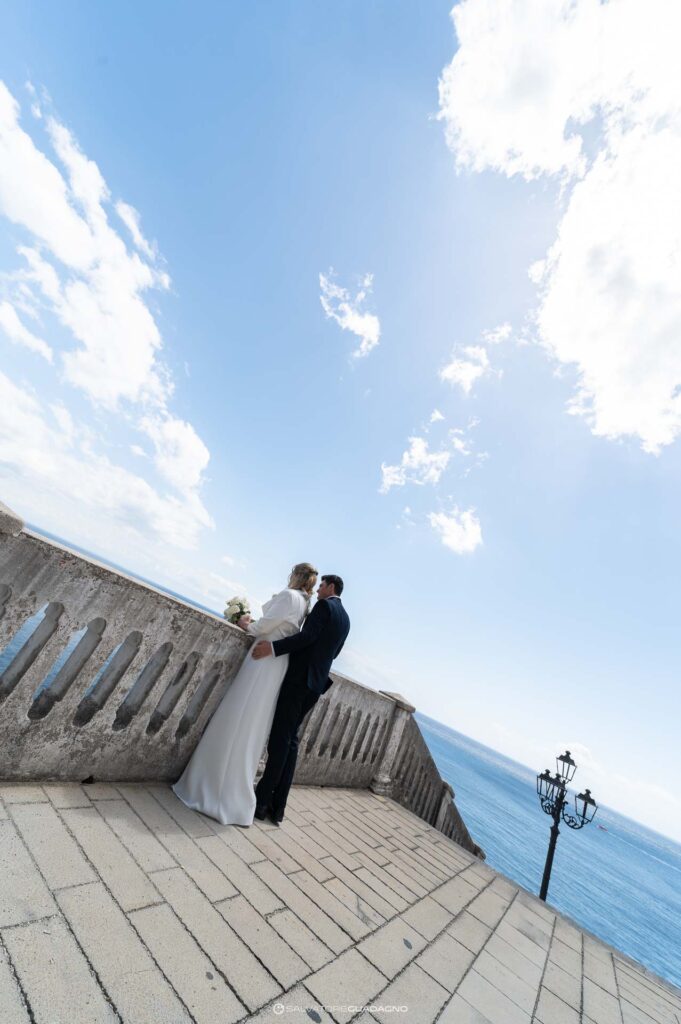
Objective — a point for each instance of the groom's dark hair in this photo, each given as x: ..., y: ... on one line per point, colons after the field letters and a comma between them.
x: 337, y: 584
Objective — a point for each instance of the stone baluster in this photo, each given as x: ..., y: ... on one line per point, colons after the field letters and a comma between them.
x: 446, y: 799
x: 382, y: 782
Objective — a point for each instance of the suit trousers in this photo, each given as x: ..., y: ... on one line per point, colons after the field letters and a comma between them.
x: 295, y: 700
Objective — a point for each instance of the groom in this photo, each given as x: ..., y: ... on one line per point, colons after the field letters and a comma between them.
x: 312, y: 651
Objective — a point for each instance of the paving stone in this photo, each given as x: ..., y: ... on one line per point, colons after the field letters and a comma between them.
x: 511, y: 957
x: 135, y: 836
x: 414, y: 989
x: 634, y: 1015
x: 568, y: 934
x: 272, y: 852
x: 455, y: 894
x: 241, y: 876
x: 386, y: 892
x: 346, y: 984
x: 566, y: 957
x: 326, y: 901
x: 12, y: 1002
x: 295, y: 1007
x: 56, y: 977
x: 363, y: 889
x: 552, y: 1010
x: 262, y: 939
x: 67, y: 796
x: 522, y: 943
x: 127, y: 882
x: 300, y: 855
x: 251, y: 982
x: 179, y: 845
x: 600, y: 970
x: 23, y: 894
x: 392, y: 947
x: 402, y: 892
x: 447, y: 961
x: 320, y: 841
x: 56, y: 853
x: 405, y: 880
x: 489, y: 907
x: 304, y: 840
x: 191, y: 822
x: 359, y: 907
x: 20, y: 794
x: 600, y: 1005
x: 300, y: 938
x: 427, y: 917
x: 132, y: 980
x: 519, y: 990
x: 203, y: 991
x: 234, y: 837
x: 490, y: 1001
x: 339, y: 843
x: 469, y: 931
x: 321, y: 924
x: 3, y: 812
x: 564, y: 985
x: 458, y: 1011
x: 101, y: 791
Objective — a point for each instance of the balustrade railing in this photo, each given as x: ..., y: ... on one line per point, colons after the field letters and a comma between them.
x: 104, y: 677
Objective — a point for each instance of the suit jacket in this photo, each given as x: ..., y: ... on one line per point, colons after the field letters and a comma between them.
x: 318, y: 643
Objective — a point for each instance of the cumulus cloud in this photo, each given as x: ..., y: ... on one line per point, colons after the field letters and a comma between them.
x: 48, y: 460
x: 180, y: 454
x: 18, y: 333
x: 341, y: 305
x: 418, y: 465
x: 79, y: 266
x: 590, y: 94
x: 469, y: 364
x: 436, y: 416
x: 77, y: 273
x: 459, y: 530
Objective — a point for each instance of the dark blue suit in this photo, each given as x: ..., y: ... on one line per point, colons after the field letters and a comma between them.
x: 311, y: 653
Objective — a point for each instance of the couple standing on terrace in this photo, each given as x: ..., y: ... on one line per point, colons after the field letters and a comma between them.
x: 279, y: 682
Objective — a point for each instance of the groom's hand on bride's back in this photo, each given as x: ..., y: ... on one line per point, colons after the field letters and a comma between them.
x: 263, y: 649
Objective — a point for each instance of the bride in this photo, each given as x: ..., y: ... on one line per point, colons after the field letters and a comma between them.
x: 219, y: 778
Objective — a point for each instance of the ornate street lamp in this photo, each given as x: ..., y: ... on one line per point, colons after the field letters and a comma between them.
x: 552, y: 792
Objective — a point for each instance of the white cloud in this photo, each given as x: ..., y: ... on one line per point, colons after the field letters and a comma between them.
x: 464, y: 369
x: 55, y: 477
x: 131, y: 219
x: 589, y: 93
x: 79, y: 266
x: 418, y: 465
x: 78, y: 275
x: 181, y: 456
x: 20, y: 334
x: 497, y: 334
x: 436, y: 416
x: 459, y: 531
x: 340, y: 305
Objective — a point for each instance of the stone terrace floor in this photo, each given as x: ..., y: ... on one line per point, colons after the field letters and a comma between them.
x: 119, y: 904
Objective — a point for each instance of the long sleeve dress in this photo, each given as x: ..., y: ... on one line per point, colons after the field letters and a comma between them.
x: 218, y: 780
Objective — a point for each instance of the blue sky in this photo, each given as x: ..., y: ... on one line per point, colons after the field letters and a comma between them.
x: 178, y: 398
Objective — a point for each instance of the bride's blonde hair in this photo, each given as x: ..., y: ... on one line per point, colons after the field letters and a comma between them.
x: 303, y: 577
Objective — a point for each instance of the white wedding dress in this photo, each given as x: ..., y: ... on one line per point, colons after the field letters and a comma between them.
x: 219, y: 778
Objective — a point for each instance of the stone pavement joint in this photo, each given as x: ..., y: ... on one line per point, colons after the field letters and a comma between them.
x: 119, y: 905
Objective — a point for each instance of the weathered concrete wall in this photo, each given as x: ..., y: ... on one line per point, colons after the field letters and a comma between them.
x: 116, y: 680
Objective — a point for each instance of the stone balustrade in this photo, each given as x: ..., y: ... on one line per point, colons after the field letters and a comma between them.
x: 104, y: 677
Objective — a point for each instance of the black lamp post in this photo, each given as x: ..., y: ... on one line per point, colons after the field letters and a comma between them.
x: 552, y: 792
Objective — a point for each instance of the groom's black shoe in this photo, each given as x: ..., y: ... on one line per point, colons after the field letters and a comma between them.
x: 276, y: 817
x: 261, y: 812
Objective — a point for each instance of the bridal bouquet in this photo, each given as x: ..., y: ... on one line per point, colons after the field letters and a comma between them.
x: 236, y: 607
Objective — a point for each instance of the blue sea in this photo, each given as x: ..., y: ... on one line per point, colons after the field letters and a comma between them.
x: 622, y: 882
